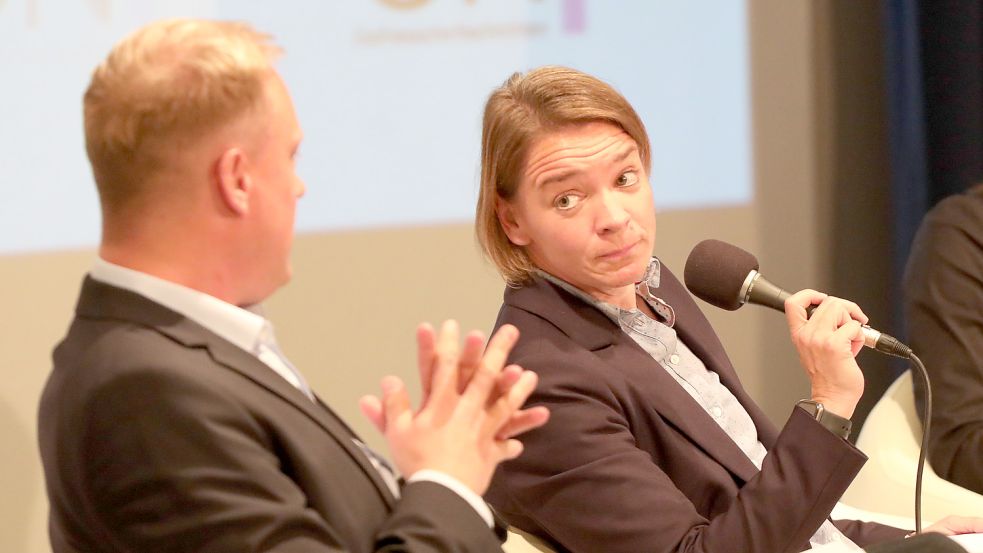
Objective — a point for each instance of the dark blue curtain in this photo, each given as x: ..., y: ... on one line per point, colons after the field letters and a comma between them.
x: 934, y: 58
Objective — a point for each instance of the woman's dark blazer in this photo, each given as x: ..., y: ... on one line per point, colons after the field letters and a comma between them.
x: 630, y: 463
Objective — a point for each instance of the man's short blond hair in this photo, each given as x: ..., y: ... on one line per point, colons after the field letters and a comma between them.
x: 526, y: 107
x: 168, y: 82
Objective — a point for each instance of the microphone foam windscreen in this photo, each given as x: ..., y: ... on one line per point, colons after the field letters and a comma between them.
x: 715, y: 272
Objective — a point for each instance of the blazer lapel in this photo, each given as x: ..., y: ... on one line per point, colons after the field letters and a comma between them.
x: 676, y: 405
x: 695, y: 330
x: 593, y: 330
x: 99, y: 300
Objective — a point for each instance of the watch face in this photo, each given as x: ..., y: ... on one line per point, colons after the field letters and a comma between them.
x: 810, y: 406
x: 833, y: 422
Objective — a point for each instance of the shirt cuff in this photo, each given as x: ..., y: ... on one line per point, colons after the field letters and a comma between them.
x: 455, y: 485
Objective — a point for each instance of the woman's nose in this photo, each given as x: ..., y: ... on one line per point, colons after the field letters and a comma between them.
x: 611, y: 214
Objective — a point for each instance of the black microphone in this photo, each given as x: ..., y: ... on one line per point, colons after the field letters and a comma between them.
x: 726, y: 276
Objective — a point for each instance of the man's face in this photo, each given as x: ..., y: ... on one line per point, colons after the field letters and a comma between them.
x: 276, y: 186
x: 584, y: 210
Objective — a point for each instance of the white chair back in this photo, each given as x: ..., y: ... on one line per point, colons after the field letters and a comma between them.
x: 524, y: 542
x: 891, y: 437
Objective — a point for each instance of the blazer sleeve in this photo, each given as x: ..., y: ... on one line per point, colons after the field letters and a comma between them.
x: 586, y: 482
x: 180, y: 466
x: 943, y: 293
x: 868, y: 533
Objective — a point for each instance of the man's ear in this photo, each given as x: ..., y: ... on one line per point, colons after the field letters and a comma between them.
x: 506, y: 217
x: 233, y: 180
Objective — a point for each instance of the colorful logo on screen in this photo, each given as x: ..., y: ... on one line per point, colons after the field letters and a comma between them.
x: 574, y: 11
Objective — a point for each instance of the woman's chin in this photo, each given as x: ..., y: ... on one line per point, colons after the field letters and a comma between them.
x: 634, y: 272
x: 626, y: 276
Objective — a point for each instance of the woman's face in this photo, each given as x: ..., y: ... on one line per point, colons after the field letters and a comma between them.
x: 583, y: 210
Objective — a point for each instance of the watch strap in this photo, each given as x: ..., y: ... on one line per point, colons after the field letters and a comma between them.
x: 831, y: 421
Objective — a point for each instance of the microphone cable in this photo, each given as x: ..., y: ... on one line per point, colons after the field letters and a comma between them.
x: 926, y: 428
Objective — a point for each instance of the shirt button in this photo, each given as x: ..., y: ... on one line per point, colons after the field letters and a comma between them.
x: 674, y: 359
x: 716, y: 411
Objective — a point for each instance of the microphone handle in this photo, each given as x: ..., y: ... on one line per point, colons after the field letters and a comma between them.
x: 762, y: 291
x: 758, y: 289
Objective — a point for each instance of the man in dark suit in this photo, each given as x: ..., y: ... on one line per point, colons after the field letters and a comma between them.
x: 172, y: 421
x: 943, y: 300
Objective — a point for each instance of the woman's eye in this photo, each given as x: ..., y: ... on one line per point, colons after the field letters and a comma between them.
x: 628, y: 178
x: 566, y: 201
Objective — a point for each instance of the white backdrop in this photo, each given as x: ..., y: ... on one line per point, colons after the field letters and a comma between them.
x: 390, y: 94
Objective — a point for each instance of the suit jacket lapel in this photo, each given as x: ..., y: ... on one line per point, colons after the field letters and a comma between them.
x: 234, y: 358
x: 695, y: 330
x: 593, y: 330
x: 99, y: 300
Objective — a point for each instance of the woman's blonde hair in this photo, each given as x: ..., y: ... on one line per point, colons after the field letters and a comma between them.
x: 526, y: 107
x: 172, y: 79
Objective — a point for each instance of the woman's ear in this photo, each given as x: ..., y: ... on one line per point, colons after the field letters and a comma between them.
x: 510, y: 223
x: 233, y: 180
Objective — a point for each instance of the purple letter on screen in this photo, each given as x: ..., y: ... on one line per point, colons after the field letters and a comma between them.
x: 574, y: 18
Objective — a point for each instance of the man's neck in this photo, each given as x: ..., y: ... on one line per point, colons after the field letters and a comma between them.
x: 201, y: 274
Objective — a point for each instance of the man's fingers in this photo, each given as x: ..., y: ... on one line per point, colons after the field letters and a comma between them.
x: 506, y: 379
x: 500, y: 346
x: 520, y: 391
x: 502, y: 410
x: 478, y: 392
x: 523, y: 421
x: 425, y: 357
x: 957, y: 525
x: 396, y: 401
x: 474, y: 342
x: 445, y: 371
x: 443, y: 393
x: 509, y: 449
x: 371, y: 407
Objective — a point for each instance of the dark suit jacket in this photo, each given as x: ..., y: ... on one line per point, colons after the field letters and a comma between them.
x: 943, y: 298
x: 629, y: 462
x: 157, y: 435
